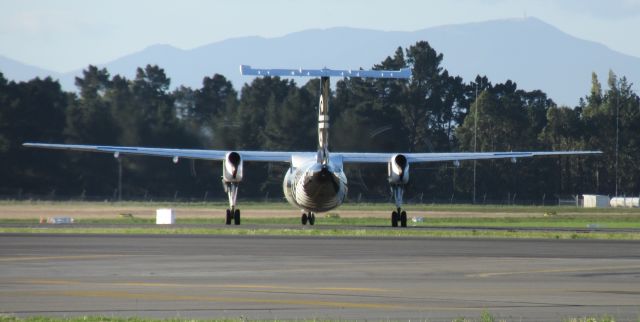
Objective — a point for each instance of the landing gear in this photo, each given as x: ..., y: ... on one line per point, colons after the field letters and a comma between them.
x: 236, y: 216
x: 310, y: 218
x: 399, y: 216
x: 229, y: 217
x: 233, y: 214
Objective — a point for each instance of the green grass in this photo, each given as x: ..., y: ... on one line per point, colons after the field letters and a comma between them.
x: 514, y: 217
x: 271, y: 205
x: 556, y: 221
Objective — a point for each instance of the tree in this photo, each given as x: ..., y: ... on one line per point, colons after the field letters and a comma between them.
x: 31, y: 111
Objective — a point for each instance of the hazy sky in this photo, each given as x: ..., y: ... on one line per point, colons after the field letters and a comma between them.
x: 66, y: 35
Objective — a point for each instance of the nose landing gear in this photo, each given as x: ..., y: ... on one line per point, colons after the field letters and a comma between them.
x: 308, y: 218
x: 399, y: 217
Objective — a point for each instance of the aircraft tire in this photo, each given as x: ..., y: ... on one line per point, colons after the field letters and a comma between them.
x: 229, y: 217
x: 236, y: 217
x: 312, y: 219
x: 403, y: 219
x: 394, y: 219
x: 304, y: 218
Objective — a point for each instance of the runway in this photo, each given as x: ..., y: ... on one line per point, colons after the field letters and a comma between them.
x: 352, y: 278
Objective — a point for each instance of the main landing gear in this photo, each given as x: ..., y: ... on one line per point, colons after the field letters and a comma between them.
x: 398, y: 216
x: 308, y: 217
x: 233, y: 214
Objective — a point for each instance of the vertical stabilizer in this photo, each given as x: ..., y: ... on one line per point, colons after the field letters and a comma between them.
x: 323, y: 121
x: 325, y: 91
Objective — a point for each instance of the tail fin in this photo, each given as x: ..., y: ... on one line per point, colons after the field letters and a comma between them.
x: 325, y: 92
x: 323, y: 121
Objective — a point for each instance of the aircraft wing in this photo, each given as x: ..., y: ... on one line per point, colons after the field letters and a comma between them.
x: 266, y: 156
x: 350, y: 157
x: 285, y: 156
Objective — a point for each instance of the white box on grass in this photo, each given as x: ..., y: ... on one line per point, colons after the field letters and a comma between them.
x: 165, y: 216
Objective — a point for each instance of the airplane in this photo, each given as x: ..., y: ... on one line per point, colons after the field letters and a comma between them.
x: 315, y: 181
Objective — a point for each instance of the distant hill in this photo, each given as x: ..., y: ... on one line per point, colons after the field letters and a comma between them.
x: 528, y: 51
x: 17, y: 71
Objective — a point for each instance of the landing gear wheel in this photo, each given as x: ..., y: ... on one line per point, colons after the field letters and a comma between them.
x: 304, y: 218
x: 403, y: 219
x: 236, y: 217
x: 312, y: 219
x: 229, y: 217
x: 394, y: 219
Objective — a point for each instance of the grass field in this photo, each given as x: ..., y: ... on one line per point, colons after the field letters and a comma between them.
x: 368, y: 220
x: 346, y: 206
x: 555, y: 221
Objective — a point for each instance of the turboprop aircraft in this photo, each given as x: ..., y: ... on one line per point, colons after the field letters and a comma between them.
x: 315, y: 181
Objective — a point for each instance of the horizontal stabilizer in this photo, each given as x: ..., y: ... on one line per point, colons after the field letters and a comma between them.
x: 246, y: 70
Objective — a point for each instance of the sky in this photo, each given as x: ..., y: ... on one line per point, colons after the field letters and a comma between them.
x: 65, y: 35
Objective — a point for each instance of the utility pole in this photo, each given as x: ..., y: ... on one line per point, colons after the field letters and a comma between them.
x: 475, y: 144
x: 617, y: 132
x: 119, y: 179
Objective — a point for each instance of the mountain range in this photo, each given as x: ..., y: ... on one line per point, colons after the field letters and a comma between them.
x: 534, y: 54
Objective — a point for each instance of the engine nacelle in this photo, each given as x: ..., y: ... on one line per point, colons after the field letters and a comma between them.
x: 398, y: 169
x: 232, y: 167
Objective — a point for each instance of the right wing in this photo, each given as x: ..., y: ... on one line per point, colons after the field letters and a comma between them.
x: 265, y: 156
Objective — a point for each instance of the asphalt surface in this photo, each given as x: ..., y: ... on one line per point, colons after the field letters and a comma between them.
x: 318, y: 277
x: 594, y: 229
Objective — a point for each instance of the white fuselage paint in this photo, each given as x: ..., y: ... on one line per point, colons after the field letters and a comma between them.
x: 313, y: 187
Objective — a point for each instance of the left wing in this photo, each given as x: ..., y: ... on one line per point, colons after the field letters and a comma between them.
x: 351, y: 157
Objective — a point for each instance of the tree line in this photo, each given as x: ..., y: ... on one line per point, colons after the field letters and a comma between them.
x: 432, y: 112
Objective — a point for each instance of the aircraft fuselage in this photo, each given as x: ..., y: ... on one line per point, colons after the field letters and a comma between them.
x: 315, y: 187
